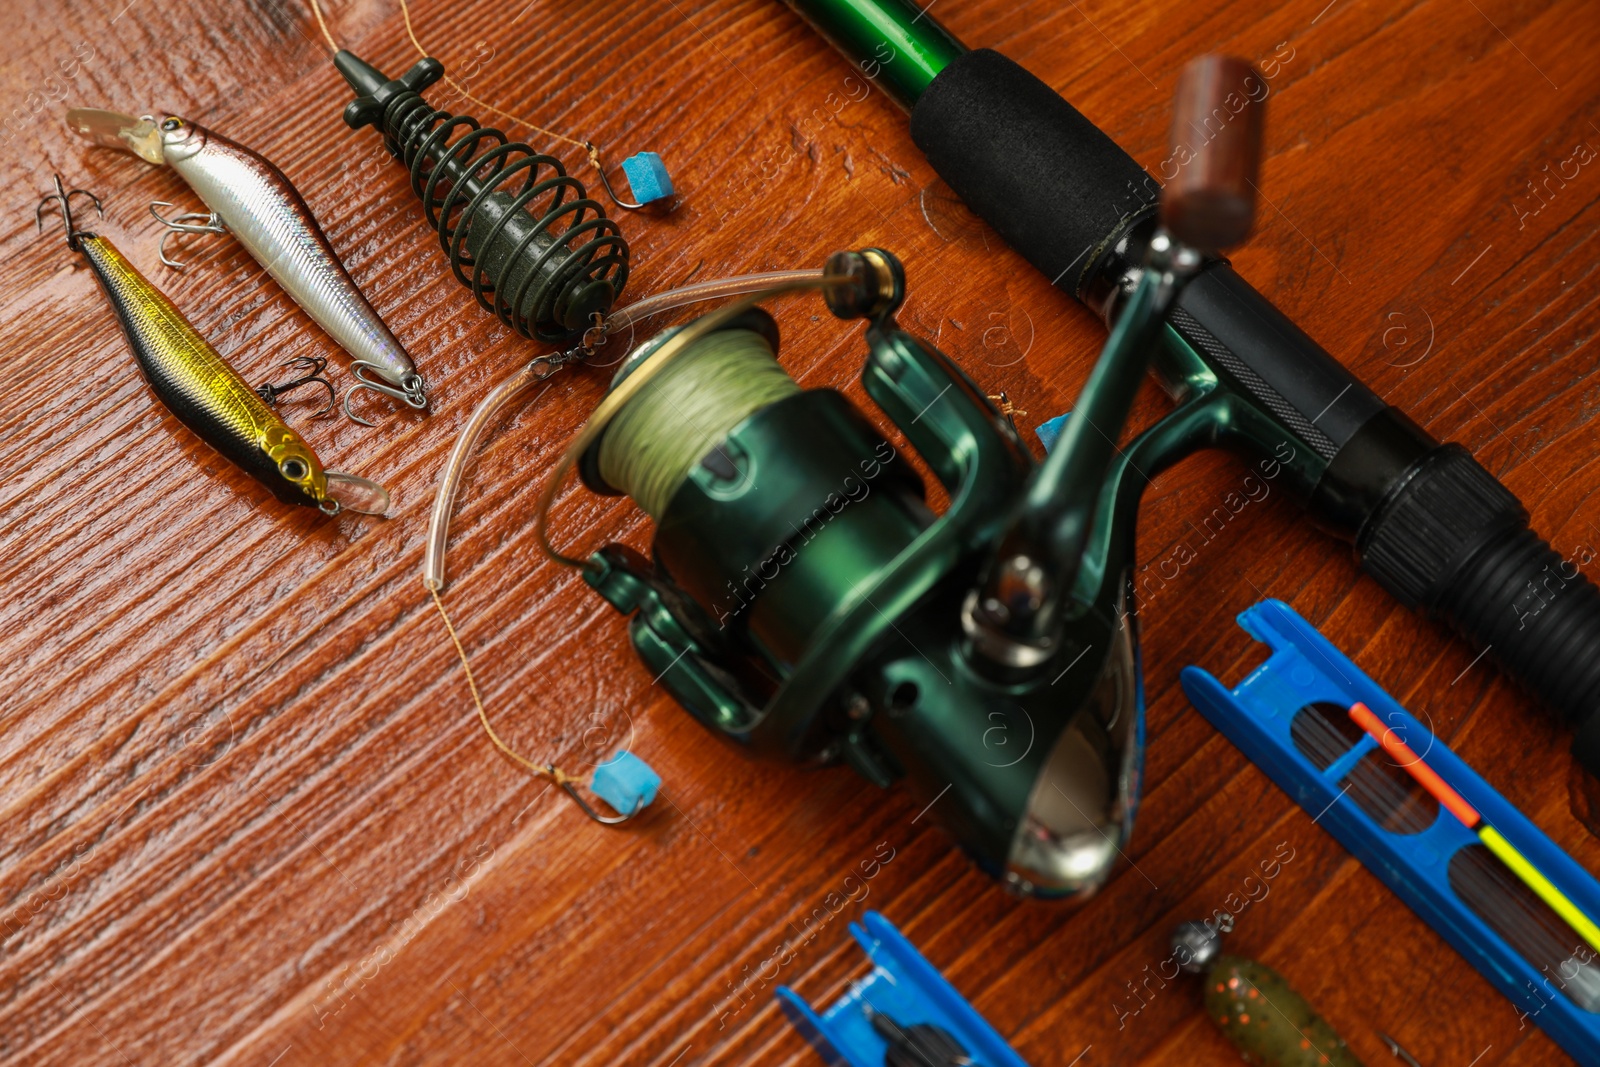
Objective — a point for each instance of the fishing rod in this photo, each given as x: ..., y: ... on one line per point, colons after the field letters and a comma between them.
x: 1425, y: 519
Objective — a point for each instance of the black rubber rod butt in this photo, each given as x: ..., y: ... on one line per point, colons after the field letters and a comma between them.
x: 1455, y: 543
x: 1426, y: 520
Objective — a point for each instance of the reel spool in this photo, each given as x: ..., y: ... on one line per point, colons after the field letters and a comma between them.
x: 804, y: 600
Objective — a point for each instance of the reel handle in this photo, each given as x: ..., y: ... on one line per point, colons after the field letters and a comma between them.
x: 1014, y: 618
x: 1211, y: 204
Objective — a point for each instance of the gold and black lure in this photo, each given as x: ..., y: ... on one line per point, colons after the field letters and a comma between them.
x: 203, y: 391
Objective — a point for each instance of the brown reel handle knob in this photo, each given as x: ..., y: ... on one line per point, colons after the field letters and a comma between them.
x: 1217, y: 123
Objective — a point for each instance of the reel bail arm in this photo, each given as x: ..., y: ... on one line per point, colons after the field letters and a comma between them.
x: 1013, y: 618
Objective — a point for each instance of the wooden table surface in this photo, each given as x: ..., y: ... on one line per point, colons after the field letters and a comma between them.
x: 248, y: 813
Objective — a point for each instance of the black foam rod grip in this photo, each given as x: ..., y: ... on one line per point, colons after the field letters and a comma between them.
x: 1028, y: 163
x: 1060, y: 191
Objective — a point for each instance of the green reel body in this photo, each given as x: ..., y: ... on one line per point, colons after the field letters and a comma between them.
x: 804, y: 601
x: 802, y: 536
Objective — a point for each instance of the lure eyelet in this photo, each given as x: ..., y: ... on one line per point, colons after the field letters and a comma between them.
x: 416, y: 391
x: 412, y: 391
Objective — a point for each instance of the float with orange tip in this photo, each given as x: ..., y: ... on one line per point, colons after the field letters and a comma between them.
x: 1453, y: 802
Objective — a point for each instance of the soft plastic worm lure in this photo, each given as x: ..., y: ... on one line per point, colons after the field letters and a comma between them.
x: 1267, y: 1020
x: 253, y: 200
x: 1255, y: 1007
x: 204, y: 392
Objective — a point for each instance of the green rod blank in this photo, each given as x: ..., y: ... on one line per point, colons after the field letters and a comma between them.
x: 896, y: 44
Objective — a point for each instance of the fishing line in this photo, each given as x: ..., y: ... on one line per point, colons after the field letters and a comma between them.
x: 316, y: 9
x: 671, y: 347
x: 509, y: 389
x: 590, y: 149
x: 550, y: 771
x: 1385, y: 792
x: 1391, y: 796
x: 535, y: 250
x: 433, y: 568
x: 405, y: 13
x: 686, y: 413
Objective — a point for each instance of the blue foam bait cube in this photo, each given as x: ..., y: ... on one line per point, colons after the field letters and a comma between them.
x: 647, y: 177
x: 1050, y: 432
x: 626, y: 783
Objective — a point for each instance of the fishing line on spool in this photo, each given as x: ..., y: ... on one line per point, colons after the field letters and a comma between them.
x: 672, y: 347
x: 542, y: 367
x: 744, y: 375
x: 687, y: 412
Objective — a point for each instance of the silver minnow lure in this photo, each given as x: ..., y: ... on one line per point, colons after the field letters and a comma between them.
x: 253, y: 200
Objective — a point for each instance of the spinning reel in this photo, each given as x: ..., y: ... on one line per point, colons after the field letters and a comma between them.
x: 1423, y: 518
x: 805, y: 601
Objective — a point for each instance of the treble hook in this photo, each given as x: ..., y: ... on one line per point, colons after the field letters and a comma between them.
x: 64, y: 197
x: 412, y: 389
x: 180, y: 224
x: 314, y: 365
x: 594, y: 161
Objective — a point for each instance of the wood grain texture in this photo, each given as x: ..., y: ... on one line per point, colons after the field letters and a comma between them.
x: 246, y: 812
